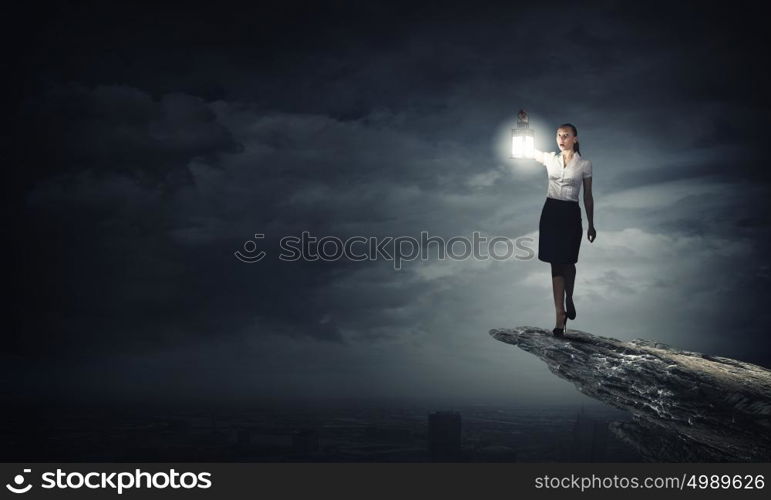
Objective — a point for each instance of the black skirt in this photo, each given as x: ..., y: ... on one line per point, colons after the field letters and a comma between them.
x: 559, y: 231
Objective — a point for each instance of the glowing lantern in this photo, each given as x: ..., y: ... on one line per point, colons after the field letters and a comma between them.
x: 522, y: 138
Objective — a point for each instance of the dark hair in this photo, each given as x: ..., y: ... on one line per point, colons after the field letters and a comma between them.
x: 575, y: 134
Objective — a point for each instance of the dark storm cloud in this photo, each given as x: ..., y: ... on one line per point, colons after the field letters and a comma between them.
x: 154, y: 261
x: 119, y: 129
x: 159, y: 144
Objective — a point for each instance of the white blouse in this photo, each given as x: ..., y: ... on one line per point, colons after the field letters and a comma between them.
x: 565, y: 182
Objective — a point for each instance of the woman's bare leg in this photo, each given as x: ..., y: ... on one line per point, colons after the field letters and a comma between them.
x: 558, y: 287
x: 570, y: 281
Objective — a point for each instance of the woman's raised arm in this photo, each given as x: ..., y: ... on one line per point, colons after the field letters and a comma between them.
x: 538, y: 156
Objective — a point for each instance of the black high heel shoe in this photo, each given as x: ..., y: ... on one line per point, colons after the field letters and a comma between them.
x: 560, y: 332
x: 571, y: 311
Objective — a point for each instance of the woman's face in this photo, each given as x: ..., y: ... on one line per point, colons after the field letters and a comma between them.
x: 566, y: 139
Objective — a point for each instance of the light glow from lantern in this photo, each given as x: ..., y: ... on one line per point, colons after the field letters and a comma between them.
x: 522, y: 144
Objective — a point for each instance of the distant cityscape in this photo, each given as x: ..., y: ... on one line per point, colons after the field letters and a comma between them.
x: 473, y: 433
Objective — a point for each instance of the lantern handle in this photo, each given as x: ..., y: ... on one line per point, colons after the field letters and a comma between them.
x: 522, y: 119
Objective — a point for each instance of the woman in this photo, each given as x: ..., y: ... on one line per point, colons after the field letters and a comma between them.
x: 560, y: 226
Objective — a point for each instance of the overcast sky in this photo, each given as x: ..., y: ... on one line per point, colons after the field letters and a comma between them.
x: 156, y: 143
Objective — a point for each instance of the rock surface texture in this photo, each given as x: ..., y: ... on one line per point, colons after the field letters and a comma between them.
x: 686, y: 406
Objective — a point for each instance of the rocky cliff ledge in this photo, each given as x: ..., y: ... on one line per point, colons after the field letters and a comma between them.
x: 686, y: 406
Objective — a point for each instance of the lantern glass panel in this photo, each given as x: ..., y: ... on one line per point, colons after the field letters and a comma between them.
x: 522, y: 143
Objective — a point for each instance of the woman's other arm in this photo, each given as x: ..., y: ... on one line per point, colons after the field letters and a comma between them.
x: 538, y: 156
x: 589, y: 207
